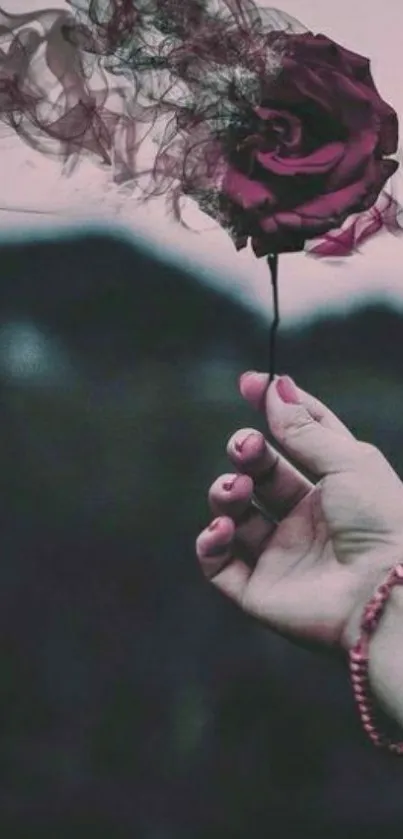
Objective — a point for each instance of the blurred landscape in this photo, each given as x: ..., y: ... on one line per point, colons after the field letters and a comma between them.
x: 134, y: 700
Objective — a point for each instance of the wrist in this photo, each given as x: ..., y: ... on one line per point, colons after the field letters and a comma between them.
x: 385, y: 649
x: 385, y: 666
x: 364, y: 592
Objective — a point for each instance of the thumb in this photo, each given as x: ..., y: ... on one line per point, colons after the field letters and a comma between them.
x: 318, y: 447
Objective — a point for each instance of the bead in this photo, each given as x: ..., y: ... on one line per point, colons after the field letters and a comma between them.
x: 360, y: 680
x: 396, y: 748
x: 358, y: 687
x: 358, y: 668
x: 357, y: 657
x: 368, y: 728
x: 358, y: 661
x: 369, y: 624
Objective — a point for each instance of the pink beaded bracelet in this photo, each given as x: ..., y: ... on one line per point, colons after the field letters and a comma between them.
x: 359, y: 655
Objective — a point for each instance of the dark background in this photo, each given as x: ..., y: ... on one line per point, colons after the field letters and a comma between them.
x: 134, y: 700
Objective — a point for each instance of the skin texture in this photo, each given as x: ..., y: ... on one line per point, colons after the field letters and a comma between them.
x: 309, y: 574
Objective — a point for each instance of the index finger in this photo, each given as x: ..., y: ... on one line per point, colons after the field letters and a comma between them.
x: 253, y: 387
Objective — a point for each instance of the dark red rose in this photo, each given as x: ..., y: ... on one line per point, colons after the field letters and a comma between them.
x: 314, y: 153
x: 277, y: 133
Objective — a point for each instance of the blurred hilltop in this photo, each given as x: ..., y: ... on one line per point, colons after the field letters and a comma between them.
x: 135, y: 701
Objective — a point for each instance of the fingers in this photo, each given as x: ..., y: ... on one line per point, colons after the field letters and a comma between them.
x: 214, y: 551
x: 263, y: 475
x: 232, y: 496
x: 307, y: 431
x: 253, y: 387
x: 277, y: 484
x: 322, y: 446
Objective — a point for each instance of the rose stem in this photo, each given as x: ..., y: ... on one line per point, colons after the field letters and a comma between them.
x: 272, y: 261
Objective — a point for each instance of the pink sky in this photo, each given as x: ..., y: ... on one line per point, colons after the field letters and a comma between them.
x: 306, y: 285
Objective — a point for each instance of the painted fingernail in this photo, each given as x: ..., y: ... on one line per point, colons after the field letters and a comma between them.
x: 240, y: 441
x: 287, y: 390
x: 214, y: 524
x: 245, y: 375
x: 230, y: 483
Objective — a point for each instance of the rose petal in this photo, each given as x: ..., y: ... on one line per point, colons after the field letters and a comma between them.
x: 299, y: 87
x: 354, y: 102
x: 384, y: 169
x: 351, y: 99
x: 293, y: 122
x: 311, y: 50
x: 340, y: 243
x: 244, y: 191
x: 389, y: 131
x: 385, y: 118
x: 389, y: 128
x: 329, y: 211
x: 356, y: 155
x: 321, y: 49
x: 319, y: 162
x: 384, y: 215
x: 392, y: 212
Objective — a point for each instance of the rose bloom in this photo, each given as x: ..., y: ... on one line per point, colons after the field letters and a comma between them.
x: 312, y: 154
x: 277, y: 133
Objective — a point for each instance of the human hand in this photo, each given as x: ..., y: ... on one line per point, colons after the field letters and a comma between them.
x: 310, y: 575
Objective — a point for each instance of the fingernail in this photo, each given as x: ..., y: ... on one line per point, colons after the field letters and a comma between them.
x: 244, y: 375
x: 287, y: 390
x: 230, y: 483
x: 214, y: 524
x: 262, y: 377
x: 240, y: 442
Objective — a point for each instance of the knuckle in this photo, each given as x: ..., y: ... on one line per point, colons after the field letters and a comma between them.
x: 302, y: 418
x: 215, y: 487
x: 300, y: 421
x: 368, y: 450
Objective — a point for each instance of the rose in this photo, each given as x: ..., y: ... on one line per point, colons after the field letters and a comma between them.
x: 312, y: 154
x: 277, y: 133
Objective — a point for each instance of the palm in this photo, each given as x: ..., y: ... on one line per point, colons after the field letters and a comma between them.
x: 332, y: 540
x: 307, y: 574
x: 298, y: 579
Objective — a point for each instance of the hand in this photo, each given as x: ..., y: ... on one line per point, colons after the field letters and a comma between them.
x: 309, y: 574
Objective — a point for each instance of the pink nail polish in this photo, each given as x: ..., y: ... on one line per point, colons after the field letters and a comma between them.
x: 287, y: 390
x: 240, y: 443
x: 229, y: 485
x: 244, y: 375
